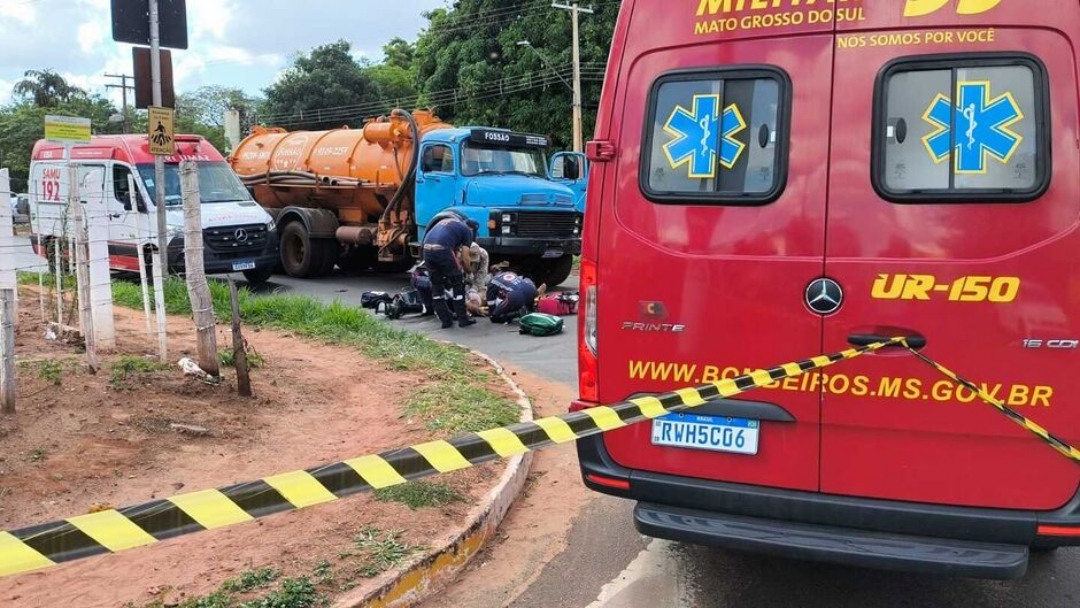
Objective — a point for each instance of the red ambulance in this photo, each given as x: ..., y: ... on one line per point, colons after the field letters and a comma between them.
x: 776, y: 179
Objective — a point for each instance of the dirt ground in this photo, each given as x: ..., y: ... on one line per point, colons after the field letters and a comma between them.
x: 96, y: 440
x: 534, y: 531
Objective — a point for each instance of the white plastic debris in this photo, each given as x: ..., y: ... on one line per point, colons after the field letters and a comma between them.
x: 190, y: 368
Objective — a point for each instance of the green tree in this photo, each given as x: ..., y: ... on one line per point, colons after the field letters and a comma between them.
x: 395, y: 85
x: 472, y: 69
x: 399, y: 53
x: 46, y: 88
x: 325, y: 89
x: 22, y: 123
x: 202, y: 111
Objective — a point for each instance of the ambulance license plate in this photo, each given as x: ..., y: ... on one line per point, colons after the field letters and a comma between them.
x: 238, y: 266
x: 553, y: 253
x: 715, y: 434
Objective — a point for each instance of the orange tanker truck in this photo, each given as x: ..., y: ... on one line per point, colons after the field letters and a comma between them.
x: 363, y: 198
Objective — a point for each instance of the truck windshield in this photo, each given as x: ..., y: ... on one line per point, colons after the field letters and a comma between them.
x: 217, y: 184
x: 488, y: 159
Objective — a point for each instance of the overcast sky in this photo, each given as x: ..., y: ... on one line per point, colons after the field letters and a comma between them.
x: 243, y: 43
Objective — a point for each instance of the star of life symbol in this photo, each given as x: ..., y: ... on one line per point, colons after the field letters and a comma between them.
x: 702, y: 131
x: 983, y: 127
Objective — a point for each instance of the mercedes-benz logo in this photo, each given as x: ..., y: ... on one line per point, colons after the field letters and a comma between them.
x: 241, y: 236
x: 824, y: 296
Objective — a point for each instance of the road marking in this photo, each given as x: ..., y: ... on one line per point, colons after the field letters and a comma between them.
x: 652, y: 579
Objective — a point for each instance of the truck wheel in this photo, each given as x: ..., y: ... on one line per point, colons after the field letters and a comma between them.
x: 259, y: 275
x: 359, y: 259
x: 331, y: 250
x: 300, y: 256
x: 553, y: 272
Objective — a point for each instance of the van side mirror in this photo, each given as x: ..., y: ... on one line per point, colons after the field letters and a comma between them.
x: 571, y: 171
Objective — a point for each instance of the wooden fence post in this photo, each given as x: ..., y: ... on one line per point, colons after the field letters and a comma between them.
x: 202, y: 305
x: 243, y: 379
x: 7, y: 352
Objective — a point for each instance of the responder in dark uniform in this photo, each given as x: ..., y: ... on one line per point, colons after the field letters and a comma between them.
x: 441, y: 245
x: 510, y: 296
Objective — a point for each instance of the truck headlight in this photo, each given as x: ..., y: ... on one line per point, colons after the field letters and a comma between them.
x: 507, y: 218
x: 505, y: 229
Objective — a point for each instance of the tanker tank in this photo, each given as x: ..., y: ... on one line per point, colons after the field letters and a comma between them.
x: 348, y: 189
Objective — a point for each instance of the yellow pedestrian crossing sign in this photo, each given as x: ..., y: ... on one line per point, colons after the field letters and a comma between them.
x: 162, y: 134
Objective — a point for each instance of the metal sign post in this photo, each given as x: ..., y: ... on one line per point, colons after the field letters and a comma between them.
x: 68, y: 131
x: 161, y: 263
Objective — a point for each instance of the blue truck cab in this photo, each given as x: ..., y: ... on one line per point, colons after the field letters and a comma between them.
x: 572, y: 170
x: 500, y: 179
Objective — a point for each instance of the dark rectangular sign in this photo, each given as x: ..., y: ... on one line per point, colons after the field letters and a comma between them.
x: 144, y: 81
x: 131, y: 22
x: 507, y: 138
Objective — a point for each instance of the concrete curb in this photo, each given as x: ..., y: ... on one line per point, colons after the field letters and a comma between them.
x: 427, y: 574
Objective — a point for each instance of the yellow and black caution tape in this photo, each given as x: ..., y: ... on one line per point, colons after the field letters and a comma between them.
x: 1058, y: 444
x: 115, y: 530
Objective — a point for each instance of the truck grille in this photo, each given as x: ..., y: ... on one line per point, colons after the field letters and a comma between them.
x: 546, y: 224
x: 230, y: 240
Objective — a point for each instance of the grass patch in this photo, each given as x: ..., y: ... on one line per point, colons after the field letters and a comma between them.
x: 228, y: 359
x: 249, y: 590
x: 252, y: 579
x: 381, y: 551
x: 459, y: 407
x: 128, y: 365
x: 420, y: 494
x: 297, y: 592
x: 51, y: 371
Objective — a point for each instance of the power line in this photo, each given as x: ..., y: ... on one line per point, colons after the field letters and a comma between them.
x: 442, y: 94
x: 448, y: 101
x: 538, y: 84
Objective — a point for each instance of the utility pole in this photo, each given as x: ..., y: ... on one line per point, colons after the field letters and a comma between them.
x: 575, y: 10
x: 123, y: 86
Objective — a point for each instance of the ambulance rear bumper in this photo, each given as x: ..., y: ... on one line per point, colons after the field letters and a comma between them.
x: 916, y: 537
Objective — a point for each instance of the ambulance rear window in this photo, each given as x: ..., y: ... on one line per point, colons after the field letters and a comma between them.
x: 962, y: 129
x: 716, y: 137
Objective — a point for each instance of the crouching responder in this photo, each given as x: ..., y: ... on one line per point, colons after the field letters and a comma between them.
x: 441, y: 246
x: 510, y: 296
x: 478, y: 272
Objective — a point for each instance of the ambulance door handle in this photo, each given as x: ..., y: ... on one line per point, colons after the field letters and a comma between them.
x: 916, y: 342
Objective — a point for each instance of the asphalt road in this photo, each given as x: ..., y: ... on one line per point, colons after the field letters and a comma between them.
x: 604, y: 565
